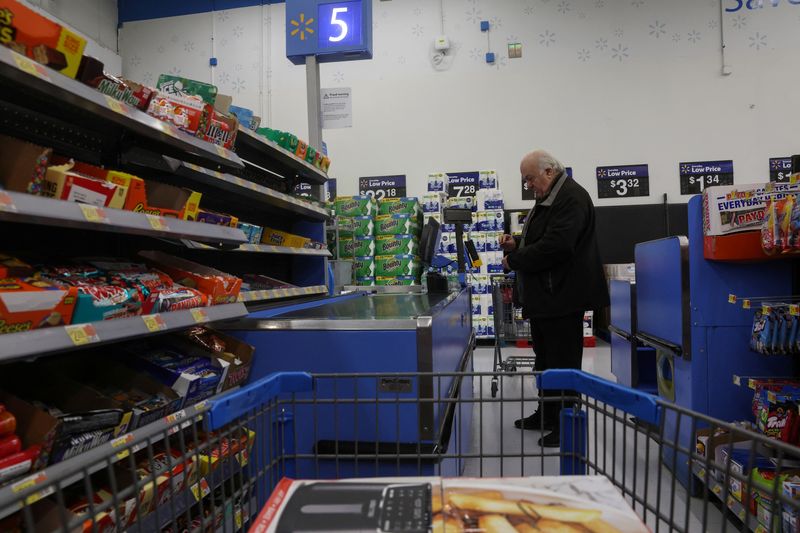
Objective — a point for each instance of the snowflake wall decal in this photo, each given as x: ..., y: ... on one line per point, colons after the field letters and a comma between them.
x: 601, y: 44
x: 238, y: 31
x: 238, y: 86
x: 417, y: 30
x: 547, y: 38
x: 620, y: 53
x: 676, y: 37
x: 739, y: 22
x: 564, y: 7
x: 188, y: 46
x: 657, y: 29
x: 584, y: 55
x: 473, y: 15
x: 338, y: 76
x: 694, y: 37
x: 758, y: 41
x: 637, y: 3
x: 619, y: 33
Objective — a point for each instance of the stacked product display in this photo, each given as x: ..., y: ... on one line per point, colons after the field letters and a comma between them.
x: 355, y: 222
x: 397, y: 232
x: 486, y: 228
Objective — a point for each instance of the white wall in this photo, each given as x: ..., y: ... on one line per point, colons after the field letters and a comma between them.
x: 94, y: 19
x: 619, y: 82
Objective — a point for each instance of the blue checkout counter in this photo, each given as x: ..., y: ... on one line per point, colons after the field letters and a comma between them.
x: 632, y: 363
x: 382, y: 335
x: 699, y: 340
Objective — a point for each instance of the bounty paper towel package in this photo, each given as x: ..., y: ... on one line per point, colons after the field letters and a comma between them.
x: 364, y: 267
x: 395, y: 281
x: 397, y: 206
x: 397, y: 265
x: 396, y: 224
x: 364, y: 246
x: 396, y: 244
x: 360, y: 226
x: 437, y: 182
x: 354, y: 206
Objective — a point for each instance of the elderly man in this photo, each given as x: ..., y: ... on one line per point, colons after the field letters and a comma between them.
x: 559, y: 275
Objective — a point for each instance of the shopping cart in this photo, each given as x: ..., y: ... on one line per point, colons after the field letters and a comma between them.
x: 212, y: 467
x: 509, y: 326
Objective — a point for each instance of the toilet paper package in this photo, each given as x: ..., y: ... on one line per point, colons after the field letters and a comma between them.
x: 433, y: 202
x: 476, y: 304
x: 487, y: 179
x: 479, y: 239
x: 437, y: 182
x: 487, y: 305
x: 488, y: 199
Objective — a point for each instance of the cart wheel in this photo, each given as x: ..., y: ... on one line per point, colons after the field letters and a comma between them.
x: 494, y: 387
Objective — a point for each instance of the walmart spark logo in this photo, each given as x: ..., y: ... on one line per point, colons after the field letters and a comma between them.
x: 602, y: 173
x: 302, y: 27
x: 685, y: 169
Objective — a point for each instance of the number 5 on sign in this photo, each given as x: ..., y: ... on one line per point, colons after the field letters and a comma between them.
x: 337, y: 22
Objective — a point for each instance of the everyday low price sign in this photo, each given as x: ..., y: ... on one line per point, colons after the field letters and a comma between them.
x: 527, y: 194
x: 695, y: 177
x: 625, y: 181
x: 383, y: 186
x: 780, y: 169
x: 462, y: 183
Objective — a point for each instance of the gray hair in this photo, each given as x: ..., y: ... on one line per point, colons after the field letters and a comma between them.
x: 548, y: 161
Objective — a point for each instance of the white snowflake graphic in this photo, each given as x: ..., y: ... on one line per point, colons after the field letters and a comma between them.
x: 739, y: 22
x: 657, y: 29
x: 223, y: 16
x: 238, y: 31
x: 713, y: 24
x: 581, y: 16
x: 175, y: 71
x: 225, y: 78
x: 758, y: 41
x: 512, y: 39
x: 188, y: 46
x: 584, y: 55
x: 338, y: 76
x: 417, y: 30
x: 474, y: 15
x: 637, y: 3
x: 160, y: 49
x: 619, y: 33
x: 238, y: 86
x: 564, y: 7
x: 529, y: 10
x: 136, y: 61
x: 601, y: 44
x: 547, y: 38
x: 224, y: 42
x: 401, y: 60
x: 600, y: 4
x: 173, y: 39
x: 495, y: 22
x: 147, y: 78
x: 694, y: 37
x: 500, y: 61
x: 620, y: 53
x: 418, y: 11
x: 476, y: 54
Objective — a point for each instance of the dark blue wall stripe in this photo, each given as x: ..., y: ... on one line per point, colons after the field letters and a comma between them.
x: 130, y: 10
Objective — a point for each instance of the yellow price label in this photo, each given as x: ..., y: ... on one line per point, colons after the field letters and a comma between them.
x: 794, y: 310
x: 154, y: 323
x: 765, y: 309
x: 31, y: 67
x: 238, y: 518
x: 28, y: 482
x: 199, y: 315
x: 92, y: 213
x: 731, y: 298
x: 36, y: 496
x: 82, y: 334
x: 794, y: 178
x: 716, y: 490
x: 157, y: 223
x: 122, y: 441
x: 221, y: 151
x: 745, y: 304
x: 116, y: 106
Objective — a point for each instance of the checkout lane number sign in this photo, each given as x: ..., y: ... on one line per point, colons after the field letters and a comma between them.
x: 625, y: 181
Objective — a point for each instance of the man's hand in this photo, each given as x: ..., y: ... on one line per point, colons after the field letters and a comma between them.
x: 505, y: 263
x: 507, y: 243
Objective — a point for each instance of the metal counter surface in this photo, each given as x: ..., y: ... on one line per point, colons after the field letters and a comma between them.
x: 369, y: 311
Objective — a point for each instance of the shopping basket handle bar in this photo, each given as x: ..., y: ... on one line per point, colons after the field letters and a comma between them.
x: 232, y: 406
x: 642, y: 405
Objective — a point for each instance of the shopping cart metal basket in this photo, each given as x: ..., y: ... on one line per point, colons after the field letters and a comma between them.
x: 509, y: 326
x: 211, y: 467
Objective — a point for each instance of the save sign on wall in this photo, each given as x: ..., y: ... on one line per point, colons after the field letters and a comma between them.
x: 382, y: 187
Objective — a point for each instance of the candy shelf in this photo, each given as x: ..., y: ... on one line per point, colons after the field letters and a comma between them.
x: 276, y: 294
x: 263, y: 249
x: 37, y: 342
x: 733, y: 504
x: 26, y: 208
x: 244, y: 187
x: 24, y: 80
x: 259, y: 151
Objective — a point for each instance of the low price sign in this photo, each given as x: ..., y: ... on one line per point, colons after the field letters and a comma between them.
x: 527, y: 194
x: 330, y: 190
x: 462, y: 183
x: 382, y: 187
x: 623, y: 181
x: 695, y: 177
x: 780, y: 169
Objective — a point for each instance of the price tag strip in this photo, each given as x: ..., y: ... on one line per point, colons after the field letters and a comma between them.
x: 92, y: 213
x: 31, y: 67
x: 82, y: 334
x: 381, y: 187
x: 623, y: 181
x: 157, y: 223
x: 154, y: 323
x: 695, y: 177
x: 199, y: 315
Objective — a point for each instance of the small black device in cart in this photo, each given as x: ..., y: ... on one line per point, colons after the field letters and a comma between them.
x: 428, y: 245
x: 358, y: 507
x: 459, y: 217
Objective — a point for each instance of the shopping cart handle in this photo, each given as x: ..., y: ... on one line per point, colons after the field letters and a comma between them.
x: 235, y: 404
x: 642, y: 405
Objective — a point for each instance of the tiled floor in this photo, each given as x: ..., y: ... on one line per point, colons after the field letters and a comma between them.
x: 627, y: 455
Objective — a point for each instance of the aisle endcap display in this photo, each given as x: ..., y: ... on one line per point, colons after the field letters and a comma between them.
x: 29, y: 209
x: 262, y: 249
x: 40, y: 342
x: 270, y: 150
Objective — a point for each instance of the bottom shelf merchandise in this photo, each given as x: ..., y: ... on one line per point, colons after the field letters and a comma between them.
x: 57, y: 408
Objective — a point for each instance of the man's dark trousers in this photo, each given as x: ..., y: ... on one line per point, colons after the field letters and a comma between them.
x: 558, y: 343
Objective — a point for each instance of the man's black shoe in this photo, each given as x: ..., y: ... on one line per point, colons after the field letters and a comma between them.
x: 551, y: 440
x: 533, y: 422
